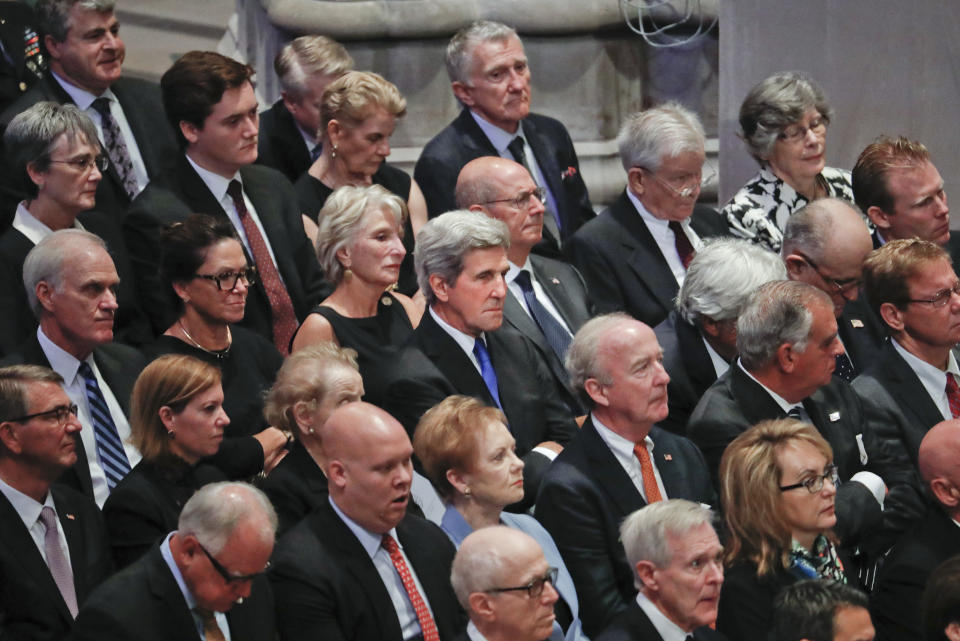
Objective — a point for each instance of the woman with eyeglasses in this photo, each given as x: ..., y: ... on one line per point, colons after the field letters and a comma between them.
x: 778, y: 486
x: 469, y: 455
x: 783, y: 123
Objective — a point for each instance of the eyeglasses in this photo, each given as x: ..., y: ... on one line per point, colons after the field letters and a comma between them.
x: 941, y: 298
x: 843, y: 286
x: 227, y: 575
x: 227, y: 281
x: 61, y: 413
x: 814, y: 484
x: 535, y: 588
x: 520, y: 200
x: 796, y: 133
x: 86, y: 163
x: 688, y: 185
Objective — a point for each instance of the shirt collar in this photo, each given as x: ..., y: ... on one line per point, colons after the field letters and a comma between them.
x: 669, y: 631
x: 32, y: 227
x: 167, y: 555
x: 514, y: 270
x: 932, y: 377
x: 455, y: 525
x: 27, y: 508
x: 720, y: 364
x: 216, y: 183
x: 498, y: 137
x: 62, y: 362
x: 617, y: 443
x: 464, y: 340
x: 784, y: 404
x: 81, y: 97
x: 473, y: 633
x: 370, y: 541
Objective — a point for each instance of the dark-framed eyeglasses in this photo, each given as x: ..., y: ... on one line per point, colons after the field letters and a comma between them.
x: 941, y: 298
x: 86, y: 163
x: 61, y: 413
x: 843, y: 286
x: 535, y: 588
x: 814, y: 484
x: 797, y: 132
x: 227, y: 281
x: 228, y: 576
x: 520, y: 200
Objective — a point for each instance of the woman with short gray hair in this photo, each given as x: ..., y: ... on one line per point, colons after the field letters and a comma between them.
x: 783, y: 123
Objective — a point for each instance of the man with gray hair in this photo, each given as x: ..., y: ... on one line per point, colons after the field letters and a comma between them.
x: 699, y: 337
x: 490, y: 77
x: 289, y: 130
x: 618, y: 462
x: 460, y: 348
x: 634, y: 256
x: 205, y: 579
x: 677, y: 563
x: 503, y: 582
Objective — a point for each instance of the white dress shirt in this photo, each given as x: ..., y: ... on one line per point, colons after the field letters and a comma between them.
x: 622, y: 449
x: 667, y: 629
x: 934, y: 379
x: 31, y: 227
x: 538, y: 290
x: 666, y: 239
x: 221, y: 618
x: 720, y: 365
x: 29, y: 511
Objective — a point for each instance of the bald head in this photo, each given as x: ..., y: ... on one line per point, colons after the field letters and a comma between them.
x: 939, y: 462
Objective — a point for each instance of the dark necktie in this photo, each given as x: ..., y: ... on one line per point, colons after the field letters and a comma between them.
x: 844, y: 368
x: 316, y: 151
x: 57, y: 560
x: 113, y: 458
x: 550, y: 219
x: 281, y: 307
x: 557, y: 336
x: 116, y: 147
x: 684, y: 247
x: 798, y: 412
x: 427, y: 626
x: 953, y: 395
x: 486, y: 370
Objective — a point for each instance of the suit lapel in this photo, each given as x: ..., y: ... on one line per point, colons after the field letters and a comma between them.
x: 472, y: 136
x: 645, y: 257
x: 164, y: 588
x: 608, y: 472
x: 557, y: 292
x: 73, y: 530
x: 695, y: 357
x: 515, y: 314
x: 668, y: 463
x: 908, y: 391
x: 452, y: 362
x: 545, y: 155
x: 754, y: 401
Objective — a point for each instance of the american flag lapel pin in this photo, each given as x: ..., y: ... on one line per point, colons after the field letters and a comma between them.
x: 856, y: 322
x: 555, y: 281
x: 71, y: 517
x: 668, y: 457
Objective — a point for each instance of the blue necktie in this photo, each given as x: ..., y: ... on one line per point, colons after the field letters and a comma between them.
x: 486, y: 370
x: 113, y: 458
x: 557, y: 336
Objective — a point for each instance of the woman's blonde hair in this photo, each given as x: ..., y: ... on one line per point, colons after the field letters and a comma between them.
x: 352, y: 97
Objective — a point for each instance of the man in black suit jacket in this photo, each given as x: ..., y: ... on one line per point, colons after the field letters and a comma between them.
x: 699, y: 336
x: 461, y: 261
x: 36, y: 446
x: 203, y: 579
x: 219, y: 149
x: 634, y: 255
x: 599, y: 479
x: 337, y: 575
x: 289, y: 130
x: 503, y: 189
x: 824, y: 244
x: 490, y: 78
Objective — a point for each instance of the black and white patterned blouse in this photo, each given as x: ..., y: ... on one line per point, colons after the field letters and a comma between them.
x: 759, y: 211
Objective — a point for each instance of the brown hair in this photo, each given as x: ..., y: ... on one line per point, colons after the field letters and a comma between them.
x: 869, y: 175
x: 886, y: 270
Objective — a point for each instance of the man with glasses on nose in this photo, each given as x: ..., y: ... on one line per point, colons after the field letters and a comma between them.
x: 53, y: 543
x: 205, y: 580
x: 635, y: 254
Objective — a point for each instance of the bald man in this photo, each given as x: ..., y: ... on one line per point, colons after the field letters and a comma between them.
x: 340, y: 573
x: 895, y: 603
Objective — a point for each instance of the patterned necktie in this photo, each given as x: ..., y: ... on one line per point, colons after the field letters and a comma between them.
x: 684, y: 247
x: 211, y: 630
x: 798, y: 412
x: 844, y: 368
x: 427, y: 626
x: 557, y: 336
x: 953, y: 395
x: 550, y: 219
x: 57, y: 560
x: 116, y: 147
x: 113, y: 458
x: 281, y: 307
x: 650, y: 487
x: 486, y: 370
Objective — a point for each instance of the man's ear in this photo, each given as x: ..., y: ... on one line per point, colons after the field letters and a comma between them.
x: 10, y: 438
x: 481, y: 606
x: 440, y: 287
x: 596, y: 391
x: 54, y: 47
x: 787, y: 357
x: 636, y: 181
x: 946, y: 493
x: 190, y: 131
x: 795, y: 265
x: 952, y: 631
x: 892, y: 316
x: 879, y: 217
x: 462, y: 92
x: 646, y: 572
x: 709, y: 326
x: 44, y: 292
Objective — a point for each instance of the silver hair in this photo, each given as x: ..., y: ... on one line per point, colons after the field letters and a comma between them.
x: 583, y: 359
x: 44, y: 263
x: 664, y: 131
x: 341, y: 217
x: 722, y: 276
x: 53, y: 16
x: 32, y: 134
x: 216, y: 510
x: 647, y: 533
x: 777, y: 313
x: 307, y: 56
x: 774, y: 104
x: 444, y: 242
x: 459, y: 56
x: 481, y: 567
x: 809, y: 227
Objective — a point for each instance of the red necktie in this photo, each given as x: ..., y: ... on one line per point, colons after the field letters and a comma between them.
x: 953, y: 395
x: 650, y: 486
x: 427, y: 626
x: 684, y: 246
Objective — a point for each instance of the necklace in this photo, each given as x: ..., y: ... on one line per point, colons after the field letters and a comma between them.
x: 219, y: 353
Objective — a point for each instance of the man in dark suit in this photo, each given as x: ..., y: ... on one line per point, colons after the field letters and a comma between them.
x: 53, y: 542
x: 619, y: 462
x: 673, y: 599
x: 548, y: 299
x: 824, y: 244
x: 491, y: 80
x: 460, y: 348
x: 817, y: 610
x: 205, y: 579
x: 215, y: 175
x: 699, y: 336
x: 24, y: 61
x: 634, y: 255
x: 289, y: 130
x: 86, y: 57
x: 913, y: 384
x: 360, y: 567
x: 895, y: 602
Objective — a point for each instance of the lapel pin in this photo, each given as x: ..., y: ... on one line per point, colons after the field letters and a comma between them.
x: 71, y: 517
x: 555, y: 281
x: 668, y: 457
x: 856, y: 322
x: 834, y: 417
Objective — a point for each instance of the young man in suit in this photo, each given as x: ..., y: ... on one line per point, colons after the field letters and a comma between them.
x: 490, y: 78
x: 53, y: 542
x: 677, y: 563
x: 816, y: 610
x: 206, y: 579
x: 360, y: 567
x: 618, y: 462
x: 635, y: 254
